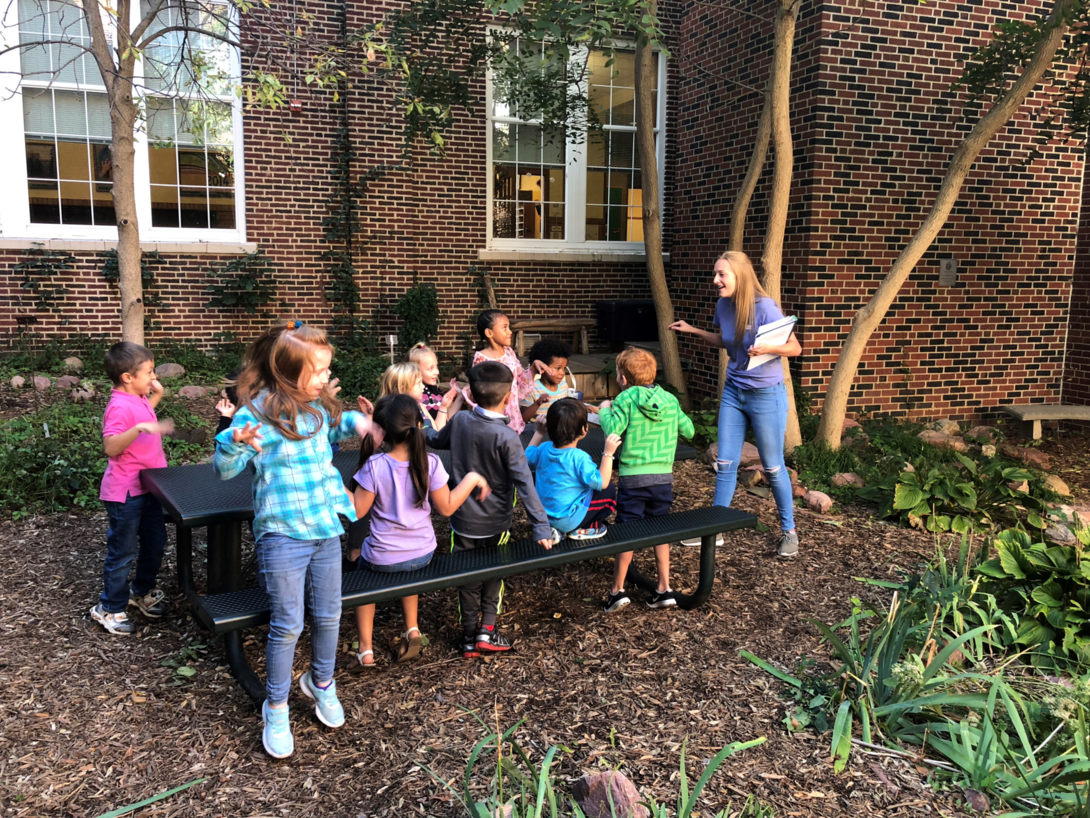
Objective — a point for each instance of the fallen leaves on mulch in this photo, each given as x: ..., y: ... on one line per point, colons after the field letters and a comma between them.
x: 90, y: 722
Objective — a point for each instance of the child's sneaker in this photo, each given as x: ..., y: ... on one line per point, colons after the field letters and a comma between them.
x: 469, y: 647
x: 117, y: 623
x: 693, y: 542
x: 327, y: 706
x: 153, y: 604
x: 661, y: 599
x: 490, y: 640
x: 592, y: 532
x: 558, y: 537
x: 276, y: 736
x: 615, y: 601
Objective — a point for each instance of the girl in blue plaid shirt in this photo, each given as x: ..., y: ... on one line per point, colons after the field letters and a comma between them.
x: 287, y: 422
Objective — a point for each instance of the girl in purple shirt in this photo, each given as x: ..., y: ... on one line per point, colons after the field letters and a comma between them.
x: 752, y: 398
x: 395, y: 487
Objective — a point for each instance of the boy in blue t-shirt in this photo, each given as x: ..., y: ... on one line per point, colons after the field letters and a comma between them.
x: 577, y: 496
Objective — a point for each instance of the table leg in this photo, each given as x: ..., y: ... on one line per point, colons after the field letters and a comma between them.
x: 225, y: 574
x: 183, y: 546
x: 703, y: 586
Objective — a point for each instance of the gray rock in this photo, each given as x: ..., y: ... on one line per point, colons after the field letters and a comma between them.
x: 711, y: 454
x: 80, y: 395
x: 41, y: 383
x: 1054, y: 483
x: 67, y: 381
x: 987, y: 450
x: 943, y: 440
x: 984, y: 434
x: 18, y: 381
x: 608, y: 795
x: 750, y: 456
x: 170, y: 370
x: 818, y: 501
x: 946, y: 427
x: 192, y: 392
x: 1027, y: 456
x: 73, y: 365
x: 1061, y: 535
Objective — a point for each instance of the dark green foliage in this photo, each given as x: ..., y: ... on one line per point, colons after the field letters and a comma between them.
x: 31, y: 353
x: 206, y: 365
x: 359, y: 362
x: 816, y: 463
x: 957, y: 497
x: 246, y: 283
x: 39, y: 272
x: 418, y: 309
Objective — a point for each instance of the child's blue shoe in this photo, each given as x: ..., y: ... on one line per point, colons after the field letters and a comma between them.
x: 276, y: 736
x: 327, y: 706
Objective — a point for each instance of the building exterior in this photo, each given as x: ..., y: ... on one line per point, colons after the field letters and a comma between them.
x: 555, y: 218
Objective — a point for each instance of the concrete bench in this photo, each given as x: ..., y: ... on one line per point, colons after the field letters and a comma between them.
x: 1030, y: 415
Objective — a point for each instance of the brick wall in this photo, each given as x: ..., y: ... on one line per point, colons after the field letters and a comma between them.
x: 1076, y: 388
x: 874, y: 123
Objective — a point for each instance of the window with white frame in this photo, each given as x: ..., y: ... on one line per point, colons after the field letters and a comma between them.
x: 557, y: 190
x: 188, y: 150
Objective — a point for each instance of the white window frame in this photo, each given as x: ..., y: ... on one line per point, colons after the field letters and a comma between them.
x: 575, y: 181
x: 15, y: 221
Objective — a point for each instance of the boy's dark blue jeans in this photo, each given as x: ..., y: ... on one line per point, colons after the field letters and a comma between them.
x: 136, y: 532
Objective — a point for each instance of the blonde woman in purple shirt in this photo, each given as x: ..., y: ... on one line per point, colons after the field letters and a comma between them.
x: 752, y: 398
x: 399, y: 488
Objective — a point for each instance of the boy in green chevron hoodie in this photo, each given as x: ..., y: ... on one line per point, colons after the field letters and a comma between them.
x: 650, y: 418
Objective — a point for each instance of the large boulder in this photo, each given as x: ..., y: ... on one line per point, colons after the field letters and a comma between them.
x: 750, y: 456
x: 848, y: 479
x: 943, y: 440
x: 67, y: 381
x: 169, y: 370
x: 1056, y: 485
x: 818, y: 502
x: 849, y: 424
x: 41, y: 383
x: 18, y: 382
x: 1027, y: 456
x: 750, y: 476
x: 192, y: 392
x: 608, y: 795
x: 73, y: 365
x: 711, y: 453
x: 946, y: 427
x: 80, y: 395
x: 1061, y: 534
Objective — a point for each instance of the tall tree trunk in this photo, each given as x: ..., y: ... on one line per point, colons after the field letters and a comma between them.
x: 123, y: 155
x: 777, y: 100
x: 652, y: 218
x: 874, y: 311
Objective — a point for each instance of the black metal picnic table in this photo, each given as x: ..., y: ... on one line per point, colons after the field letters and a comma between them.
x: 195, y: 497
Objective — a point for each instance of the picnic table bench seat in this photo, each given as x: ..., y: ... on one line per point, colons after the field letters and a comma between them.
x: 576, y: 326
x: 1030, y: 415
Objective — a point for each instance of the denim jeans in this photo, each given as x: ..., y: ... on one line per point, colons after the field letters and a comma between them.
x: 765, y: 411
x: 300, y: 573
x: 135, y: 531
x: 397, y: 567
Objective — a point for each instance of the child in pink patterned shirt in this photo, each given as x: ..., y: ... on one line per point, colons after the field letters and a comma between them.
x: 495, y: 330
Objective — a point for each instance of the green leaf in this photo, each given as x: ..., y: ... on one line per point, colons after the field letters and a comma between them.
x: 769, y: 669
x: 1031, y: 632
x: 1009, y: 554
x: 842, y: 736
x: 186, y: 670
x: 1050, y: 594
x: 906, y: 497
x: 961, y: 525
x: 116, y: 813
x: 992, y: 568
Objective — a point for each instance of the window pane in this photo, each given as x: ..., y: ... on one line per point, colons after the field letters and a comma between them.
x: 163, y: 165
x: 164, y: 206
x: 528, y: 146
x: 552, y: 151
x: 41, y: 160
x: 596, y: 223
x: 554, y: 222
x: 45, y: 203
x: 554, y: 185
x: 38, y: 112
x: 623, y: 110
x: 503, y: 147
x: 194, y: 207
x: 598, y: 97
x: 621, y: 149
x: 192, y: 169
x: 74, y: 160
x: 221, y: 208
x: 221, y: 167
x: 104, y: 205
x: 624, y: 69
x: 71, y: 112
x: 75, y: 201
x: 503, y: 182
x: 597, y: 150
x: 503, y: 220
x: 596, y: 187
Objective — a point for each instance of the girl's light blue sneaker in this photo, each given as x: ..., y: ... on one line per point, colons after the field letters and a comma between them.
x: 276, y: 736
x: 327, y: 706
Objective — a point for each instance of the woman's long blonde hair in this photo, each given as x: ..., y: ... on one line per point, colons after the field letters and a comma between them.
x: 399, y: 379
x: 275, y: 363
x: 746, y: 290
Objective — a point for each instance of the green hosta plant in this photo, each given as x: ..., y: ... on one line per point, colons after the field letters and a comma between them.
x: 1048, y: 588
x: 959, y: 497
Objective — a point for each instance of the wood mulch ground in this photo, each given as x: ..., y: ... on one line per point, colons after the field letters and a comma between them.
x: 90, y: 722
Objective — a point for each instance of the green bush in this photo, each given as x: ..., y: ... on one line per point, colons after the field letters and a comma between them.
x: 30, y: 353
x: 359, y: 362
x: 816, y: 464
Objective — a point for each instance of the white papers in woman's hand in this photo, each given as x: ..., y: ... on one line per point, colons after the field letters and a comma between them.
x: 775, y: 334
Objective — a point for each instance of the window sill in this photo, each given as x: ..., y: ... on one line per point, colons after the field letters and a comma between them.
x: 567, y: 256
x: 188, y: 248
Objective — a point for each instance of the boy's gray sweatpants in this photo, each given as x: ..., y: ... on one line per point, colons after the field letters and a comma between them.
x: 481, y: 599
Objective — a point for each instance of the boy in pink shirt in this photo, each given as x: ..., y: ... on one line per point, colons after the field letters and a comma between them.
x: 132, y: 438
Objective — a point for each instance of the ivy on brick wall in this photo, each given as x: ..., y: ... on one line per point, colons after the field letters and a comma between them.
x: 39, y: 272
x: 247, y: 284
x: 418, y: 310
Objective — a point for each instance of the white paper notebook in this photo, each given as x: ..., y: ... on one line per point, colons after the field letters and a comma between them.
x: 775, y: 334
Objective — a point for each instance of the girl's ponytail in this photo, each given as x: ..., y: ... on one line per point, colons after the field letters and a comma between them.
x: 367, y: 449
x: 418, y: 463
